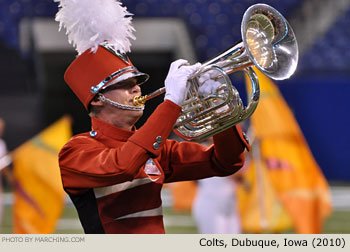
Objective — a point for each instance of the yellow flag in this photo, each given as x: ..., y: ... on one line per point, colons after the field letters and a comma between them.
x: 287, y: 160
x: 260, y: 209
x: 39, y: 195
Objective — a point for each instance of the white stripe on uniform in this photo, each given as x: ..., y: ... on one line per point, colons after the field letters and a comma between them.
x: 104, y: 191
x: 147, y: 213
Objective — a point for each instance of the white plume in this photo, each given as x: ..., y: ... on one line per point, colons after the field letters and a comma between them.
x: 89, y: 23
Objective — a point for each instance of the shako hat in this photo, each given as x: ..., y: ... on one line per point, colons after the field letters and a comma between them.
x: 100, y: 31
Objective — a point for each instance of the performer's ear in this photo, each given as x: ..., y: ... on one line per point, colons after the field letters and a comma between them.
x: 95, y: 106
x: 96, y: 101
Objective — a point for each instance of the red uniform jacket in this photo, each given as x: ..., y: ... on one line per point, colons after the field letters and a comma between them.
x: 114, y: 176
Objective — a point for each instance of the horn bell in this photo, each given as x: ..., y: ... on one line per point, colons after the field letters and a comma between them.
x: 269, y: 41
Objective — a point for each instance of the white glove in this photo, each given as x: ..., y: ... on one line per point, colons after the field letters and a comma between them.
x: 176, y: 82
x: 207, y: 84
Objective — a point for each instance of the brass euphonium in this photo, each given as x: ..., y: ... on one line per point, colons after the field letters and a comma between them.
x: 268, y: 42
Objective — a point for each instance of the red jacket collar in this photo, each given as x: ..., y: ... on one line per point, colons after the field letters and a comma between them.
x: 110, y: 130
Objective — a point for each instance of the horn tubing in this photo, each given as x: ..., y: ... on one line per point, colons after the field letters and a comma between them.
x: 140, y: 100
x: 255, y: 93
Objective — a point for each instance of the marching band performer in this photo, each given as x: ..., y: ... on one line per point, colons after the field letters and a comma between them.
x: 114, y: 173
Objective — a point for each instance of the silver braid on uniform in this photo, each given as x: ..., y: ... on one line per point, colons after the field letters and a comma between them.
x: 118, y: 105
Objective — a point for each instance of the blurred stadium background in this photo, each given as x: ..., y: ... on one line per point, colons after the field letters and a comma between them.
x: 34, y: 56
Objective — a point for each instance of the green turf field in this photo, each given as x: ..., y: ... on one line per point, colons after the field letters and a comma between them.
x: 175, y: 223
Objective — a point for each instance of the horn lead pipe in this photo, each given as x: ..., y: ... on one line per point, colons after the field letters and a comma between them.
x: 141, y: 100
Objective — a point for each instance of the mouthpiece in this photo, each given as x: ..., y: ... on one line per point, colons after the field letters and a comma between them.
x: 141, y: 100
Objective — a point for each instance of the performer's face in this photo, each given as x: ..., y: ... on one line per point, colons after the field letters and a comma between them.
x: 124, y: 93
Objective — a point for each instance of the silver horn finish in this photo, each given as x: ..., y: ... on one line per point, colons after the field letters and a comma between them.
x: 268, y: 42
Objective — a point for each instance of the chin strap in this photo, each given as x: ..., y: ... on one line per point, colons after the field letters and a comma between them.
x: 118, y: 105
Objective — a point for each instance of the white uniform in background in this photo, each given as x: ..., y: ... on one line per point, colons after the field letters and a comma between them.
x: 215, y: 208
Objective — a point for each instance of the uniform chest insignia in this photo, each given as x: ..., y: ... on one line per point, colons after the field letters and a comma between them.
x: 151, y: 168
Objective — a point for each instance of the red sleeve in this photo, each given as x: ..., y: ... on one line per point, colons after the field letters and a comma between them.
x: 192, y: 161
x: 87, y: 163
